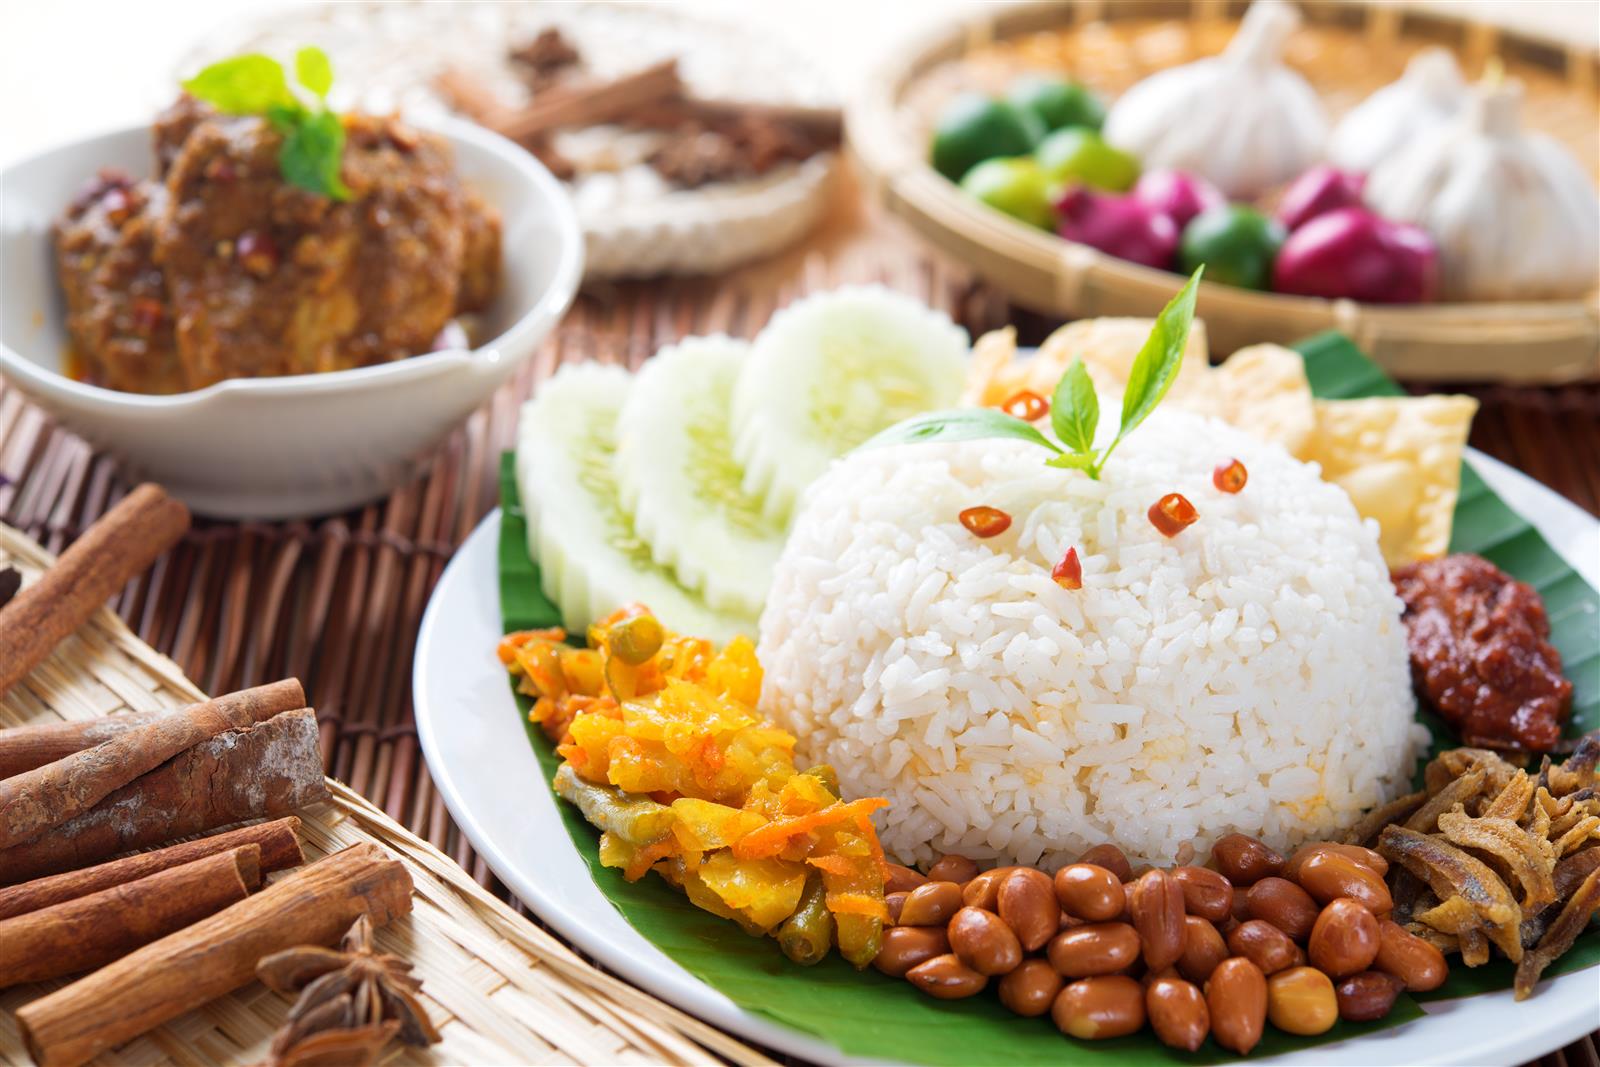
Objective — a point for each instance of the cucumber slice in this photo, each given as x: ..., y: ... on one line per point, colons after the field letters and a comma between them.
x: 591, y: 559
x: 679, y: 480
x: 830, y: 371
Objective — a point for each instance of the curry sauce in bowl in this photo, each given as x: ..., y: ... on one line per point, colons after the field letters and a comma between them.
x: 263, y: 350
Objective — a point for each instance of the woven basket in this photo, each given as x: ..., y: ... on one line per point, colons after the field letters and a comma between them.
x: 500, y: 989
x: 1345, y: 50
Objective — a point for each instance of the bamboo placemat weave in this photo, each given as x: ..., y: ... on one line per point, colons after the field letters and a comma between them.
x: 500, y: 989
x: 337, y: 601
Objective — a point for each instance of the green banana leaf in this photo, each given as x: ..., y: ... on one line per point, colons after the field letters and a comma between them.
x: 867, y: 1014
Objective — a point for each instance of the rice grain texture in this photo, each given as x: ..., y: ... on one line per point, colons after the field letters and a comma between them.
x: 1249, y: 674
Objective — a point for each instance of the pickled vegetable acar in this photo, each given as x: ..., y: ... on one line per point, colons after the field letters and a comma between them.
x: 664, y: 752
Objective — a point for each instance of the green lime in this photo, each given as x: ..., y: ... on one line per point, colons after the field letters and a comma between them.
x: 1080, y: 157
x: 1016, y: 186
x: 974, y: 128
x: 1236, y: 243
x: 1058, y: 103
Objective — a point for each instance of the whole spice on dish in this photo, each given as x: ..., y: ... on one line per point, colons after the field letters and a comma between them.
x: 1068, y: 574
x: 353, y: 1000
x: 1027, y: 406
x: 1075, y: 408
x: 985, y: 521
x: 1230, y: 477
x: 1171, y: 514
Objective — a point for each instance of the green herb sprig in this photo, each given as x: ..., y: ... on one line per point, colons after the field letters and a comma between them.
x: 1075, y: 408
x: 313, y: 138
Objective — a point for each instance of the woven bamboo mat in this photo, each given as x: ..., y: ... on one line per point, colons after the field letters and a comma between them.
x: 337, y: 601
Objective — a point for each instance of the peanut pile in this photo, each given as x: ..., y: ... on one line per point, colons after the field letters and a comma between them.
x: 1192, y: 951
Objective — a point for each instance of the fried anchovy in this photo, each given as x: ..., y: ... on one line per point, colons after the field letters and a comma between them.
x: 1573, y: 839
x: 1529, y: 859
x: 1374, y: 821
x: 1458, y: 762
x: 1451, y: 872
x: 1578, y: 770
x: 1562, y: 933
x: 1410, y: 894
x: 1426, y: 818
x: 1511, y: 801
x: 1569, y: 874
x: 1445, y: 943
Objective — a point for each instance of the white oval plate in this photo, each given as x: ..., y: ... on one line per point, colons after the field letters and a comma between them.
x: 481, y: 761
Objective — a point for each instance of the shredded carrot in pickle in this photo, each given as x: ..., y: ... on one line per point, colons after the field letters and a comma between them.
x: 857, y: 904
x: 770, y: 839
x: 832, y: 865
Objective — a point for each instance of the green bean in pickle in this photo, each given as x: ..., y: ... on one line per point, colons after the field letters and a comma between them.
x: 806, y: 936
x: 639, y: 821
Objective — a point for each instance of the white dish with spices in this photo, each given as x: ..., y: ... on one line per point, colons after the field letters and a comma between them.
x: 291, y: 443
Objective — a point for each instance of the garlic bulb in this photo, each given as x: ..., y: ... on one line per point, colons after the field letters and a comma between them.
x: 1514, y: 215
x: 1241, y: 119
x: 1428, y: 94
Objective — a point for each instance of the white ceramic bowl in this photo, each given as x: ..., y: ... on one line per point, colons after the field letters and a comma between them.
x: 273, y: 448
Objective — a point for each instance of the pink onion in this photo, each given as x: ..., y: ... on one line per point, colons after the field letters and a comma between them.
x: 1353, y: 254
x: 1122, y: 226
x: 1178, y: 194
x: 1316, y: 192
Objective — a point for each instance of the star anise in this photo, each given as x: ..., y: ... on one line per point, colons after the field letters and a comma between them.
x: 353, y: 1001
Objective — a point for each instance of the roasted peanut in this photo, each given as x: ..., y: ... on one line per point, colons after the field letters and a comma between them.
x: 1264, y: 945
x: 957, y: 869
x: 1027, y: 903
x: 1205, y: 892
x: 1244, y: 861
x: 1156, y: 905
x: 1031, y: 988
x: 1177, y: 1012
x: 1327, y: 875
x: 1203, y: 949
x: 1355, y: 853
x: 1100, y: 948
x: 1301, y: 1001
x: 906, y: 946
x: 903, y: 879
x: 1095, y: 1008
x: 931, y: 904
x: 1409, y: 958
x: 1111, y: 858
x: 1236, y: 996
x: 946, y: 977
x: 984, y: 890
x: 1344, y: 939
x: 984, y: 942
x: 1284, y: 905
x: 895, y: 902
x: 1367, y: 996
x: 1089, y: 892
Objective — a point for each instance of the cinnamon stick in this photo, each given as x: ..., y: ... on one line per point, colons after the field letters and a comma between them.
x: 278, y: 842
x: 124, y: 541
x: 22, y: 748
x: 215, y: 956
x: 587, y: 104
x: 261, y: 771
x: 80, y: 935
x: 46, y: 797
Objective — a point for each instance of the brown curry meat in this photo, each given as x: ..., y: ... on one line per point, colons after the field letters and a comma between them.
x: 256, y: 277
x: 1480, y: 654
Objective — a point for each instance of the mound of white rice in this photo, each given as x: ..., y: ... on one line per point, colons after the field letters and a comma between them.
x: 1248, y: 675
